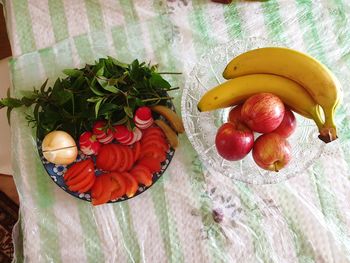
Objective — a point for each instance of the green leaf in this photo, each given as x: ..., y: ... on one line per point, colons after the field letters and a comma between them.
x: 118, y: 63
x: 157, y: 81
x: 128, y: 111
x: 43, y: 86
x: 36, y: 112
x: 97, y: 107
x: 93, y: 99
x: 73, y: 72
x: 102, y: 81
x: 139, y: 102
x: 95, y: 90
x: 108, y: 107
x: 121, y: 121
x: 11, y: 102
x: 60, y: 94
x: 104, y: 84
x: 100, y: 72
x: 111, y: 89
x: 78, y: 83
x: 8, y: 113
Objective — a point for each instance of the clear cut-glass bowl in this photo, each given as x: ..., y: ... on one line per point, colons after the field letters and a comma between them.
x: 201, y: 127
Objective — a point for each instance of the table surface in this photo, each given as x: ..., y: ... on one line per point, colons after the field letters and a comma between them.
x: 305, y: 219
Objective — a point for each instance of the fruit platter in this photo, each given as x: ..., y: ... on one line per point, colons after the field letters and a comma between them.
x: 106, y: 132
x: 253, y: 114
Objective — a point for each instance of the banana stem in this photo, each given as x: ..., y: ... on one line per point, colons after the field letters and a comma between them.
x: 328, y: 132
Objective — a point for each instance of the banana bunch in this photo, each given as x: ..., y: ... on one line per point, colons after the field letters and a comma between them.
x: 300, y: 81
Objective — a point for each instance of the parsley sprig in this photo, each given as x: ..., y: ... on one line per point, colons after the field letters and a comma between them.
x: 109, y: 90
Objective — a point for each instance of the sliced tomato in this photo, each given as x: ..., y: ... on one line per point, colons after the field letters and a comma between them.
x: 159, y: 143
x: 154, y: 152
x: 142, y: 174
x: 117, y: 157
x: 107, y: 187
x: 153, y: 130
x: 105, y: 158
x: 81, y: 184
x: 136, y: 150
x: 124, y: 165
x: 152, y: 137
x: 151, y: 163
x: 81, y: 176
x: 130, y: 158
x: 131, y: 184
x: 76, y: 168
x: 119, y: 185
x: 88, y: 171
x: 96, y: 189
x: 87, y: 187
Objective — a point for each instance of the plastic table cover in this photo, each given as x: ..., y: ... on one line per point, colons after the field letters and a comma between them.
x: 189, y: 215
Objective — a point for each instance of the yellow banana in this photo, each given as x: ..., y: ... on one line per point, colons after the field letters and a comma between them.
x: 237, y: 90
x: 170, y: 134
x: 174, y: 120
x: 316, y: 78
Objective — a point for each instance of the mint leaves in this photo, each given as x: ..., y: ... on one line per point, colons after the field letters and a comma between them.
x: 109, y: 90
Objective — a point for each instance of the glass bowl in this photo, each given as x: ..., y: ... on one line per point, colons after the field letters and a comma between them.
x: 201, y: 127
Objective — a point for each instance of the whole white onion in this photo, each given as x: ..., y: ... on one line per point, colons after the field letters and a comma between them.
x: 59, y: 148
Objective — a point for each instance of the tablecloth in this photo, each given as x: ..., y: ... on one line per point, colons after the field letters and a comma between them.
x: 189, y: 215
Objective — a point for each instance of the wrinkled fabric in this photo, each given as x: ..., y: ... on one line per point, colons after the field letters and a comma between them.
x: 189, y: 215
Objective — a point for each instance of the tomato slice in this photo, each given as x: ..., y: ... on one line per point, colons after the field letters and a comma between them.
x: 161, y: 144
x: 117, y: 157
x: 119, y: 186
x: 151, y: 163
x: 105, y: 158
x: 81, y: 184
x: 131, y: 184
x: 142, y: 174
x: 84, y: 173
x: 106, y: 190
x: 152, y: 137
x: 96, y: 189
x: 125, y: 162
x: 153, y: 130
x: 75, y: 169
x: 87, y: 187
x: 136, y: 150
x: 153, y: 151
x: 130, y: 158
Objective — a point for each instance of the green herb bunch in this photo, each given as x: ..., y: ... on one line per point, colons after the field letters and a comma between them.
x: 109, y: 90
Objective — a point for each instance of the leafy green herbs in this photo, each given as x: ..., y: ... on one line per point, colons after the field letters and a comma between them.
x: 109, y: 90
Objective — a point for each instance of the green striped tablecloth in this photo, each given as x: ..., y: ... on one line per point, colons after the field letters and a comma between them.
x: 306, y: 219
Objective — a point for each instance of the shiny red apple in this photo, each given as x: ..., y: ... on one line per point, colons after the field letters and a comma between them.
x: 235, y: 114
x: 234, y: 141
x: 263, y: 112
x: 288, y: 124
x: 272, y: 152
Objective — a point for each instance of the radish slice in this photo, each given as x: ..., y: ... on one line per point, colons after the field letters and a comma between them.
x: 107, y: 139
x: 138, y: 134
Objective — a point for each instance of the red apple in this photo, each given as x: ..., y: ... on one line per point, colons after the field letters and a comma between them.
x: 272, y: 152
x: 234, y: 141
x: 235, y: 114
x: 263, y: 112
x: 288, y: 124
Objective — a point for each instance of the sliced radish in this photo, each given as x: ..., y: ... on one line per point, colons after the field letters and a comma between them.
x: 107, y: 139
x: 143, y: 113
x: 137, y: 134
x: 139, y: 121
